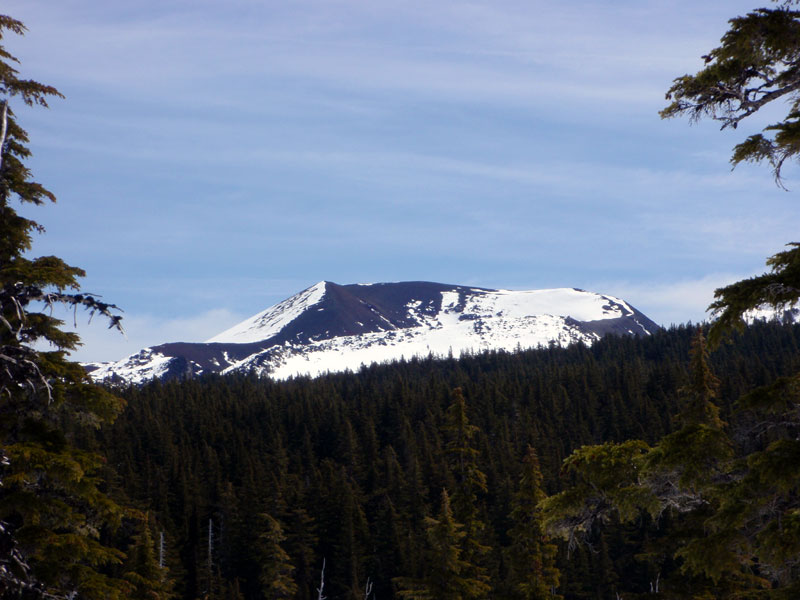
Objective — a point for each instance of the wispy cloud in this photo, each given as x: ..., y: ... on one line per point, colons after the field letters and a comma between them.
x: 533, y: 53
x: 673, y: 302
x: 143, y: 330
x: 204, y: 142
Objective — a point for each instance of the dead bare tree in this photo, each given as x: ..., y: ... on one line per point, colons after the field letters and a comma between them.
x: 320, y: 595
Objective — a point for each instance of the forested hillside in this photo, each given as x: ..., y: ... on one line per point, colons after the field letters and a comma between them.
x: 256, y: 483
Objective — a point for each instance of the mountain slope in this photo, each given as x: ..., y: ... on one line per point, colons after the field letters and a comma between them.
x: 331, y: 327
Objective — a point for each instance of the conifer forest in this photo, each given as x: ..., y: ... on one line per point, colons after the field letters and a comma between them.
x: 256, y: 484
x: 664, y: 467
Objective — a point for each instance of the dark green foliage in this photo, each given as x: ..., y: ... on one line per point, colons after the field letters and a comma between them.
x: 779, y: 289
x: 607, y: 484
x: 695, y: 452
x: 276, y: 568
x: 699, y: 394
x: 469, y: 481
x: 757, y: 63
x: 352, y: 465
x: 55, y: 514
x: 148, y: 580
x: 742, y: 481
x: 532, y: 573
x: 447, y: 573
x: 762, y: 503
x: 735, y: 499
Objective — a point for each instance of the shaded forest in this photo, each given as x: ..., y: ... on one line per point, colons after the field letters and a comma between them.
x: 256, y: 484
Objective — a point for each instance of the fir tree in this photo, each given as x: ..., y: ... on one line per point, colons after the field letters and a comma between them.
x: 148, y: 579
x: 778, y: 289
x: 239, y: 415
x: 447, y: 573
x: 736, y: 514
x: 607, y: 485
x: 534, y: 575
x: 276, y: 568
x: 697, y: 452
x: 759, y: 508
x: 50, y: 501
x: 755, y: 65
x: 462, y: 457
x: 470, y: 480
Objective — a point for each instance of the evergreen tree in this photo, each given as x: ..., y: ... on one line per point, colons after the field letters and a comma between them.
x: 470, y: 480
x: 276, y: 568
x: 778, y: 289
x: 300, y: 543
x: 148, y: 579
x: 447, y: 573
x: 759, y: 508
x: 756, y: 64
x: 534, y: 575
x: 737, y: 514
x: 697, y: 452
x: 608, y: 485
x: 462, y: 457
x: 241, y: 418
x: 50, y: 503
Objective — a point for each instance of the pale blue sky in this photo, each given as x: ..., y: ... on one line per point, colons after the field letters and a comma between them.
x: 212, y: 158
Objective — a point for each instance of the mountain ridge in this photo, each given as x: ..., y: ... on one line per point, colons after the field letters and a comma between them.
x: 333, y: 327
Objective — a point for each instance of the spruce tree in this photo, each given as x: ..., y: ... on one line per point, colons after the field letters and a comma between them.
x: 447, y: 573
x: 51, y: 502
x: 148, y: 579
x: 735, y: 515
x: 275, y: 566
x: 470, y: 481
x: 755, y: 65
x: 698, y: 451
x: 759, y: 508
x: 778, y: 289
x: 533, y: 574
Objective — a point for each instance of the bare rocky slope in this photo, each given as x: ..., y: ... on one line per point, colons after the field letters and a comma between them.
x: 330, y: 327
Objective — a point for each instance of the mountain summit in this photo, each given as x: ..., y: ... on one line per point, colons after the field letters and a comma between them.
x: 331, y: 327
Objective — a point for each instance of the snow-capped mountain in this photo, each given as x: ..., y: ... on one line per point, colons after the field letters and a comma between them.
x: 331, y: 327
x: 786, y: 314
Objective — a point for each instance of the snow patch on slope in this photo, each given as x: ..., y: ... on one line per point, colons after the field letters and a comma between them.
x: 137, y: 368
x: 770, y: 313
x: 451, y: 321
x: 578, y: 304
x: 270, y: 322
x: 502, y: 320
